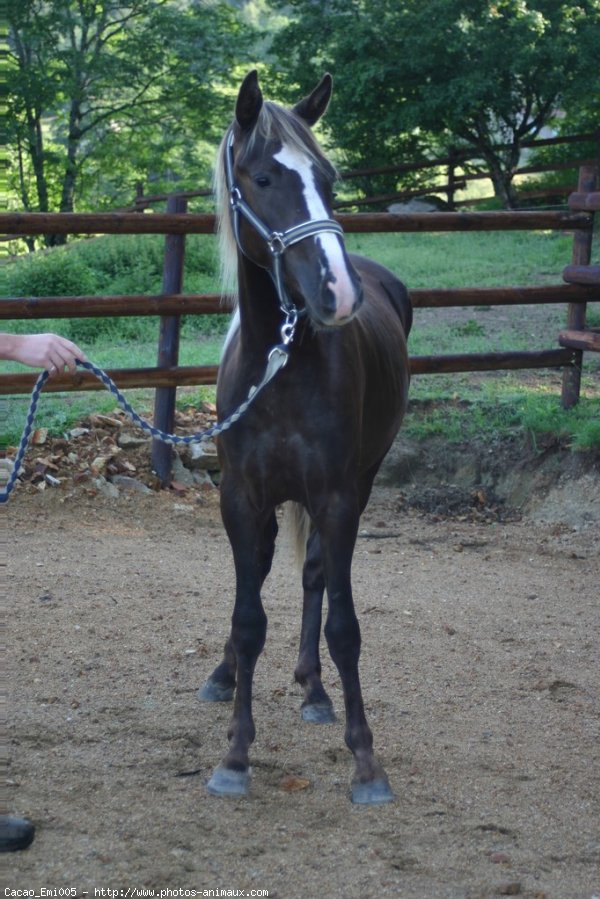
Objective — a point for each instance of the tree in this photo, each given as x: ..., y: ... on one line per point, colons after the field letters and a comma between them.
x: 484, y: 74
x: 93, y: 80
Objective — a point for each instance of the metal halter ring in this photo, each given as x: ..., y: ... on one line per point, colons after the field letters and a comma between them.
x: 276, y: 243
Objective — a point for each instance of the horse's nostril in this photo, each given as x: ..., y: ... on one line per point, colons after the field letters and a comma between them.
x: 329, y: 300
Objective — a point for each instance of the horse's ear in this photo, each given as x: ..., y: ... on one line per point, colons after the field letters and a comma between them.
x: 311, y: 108
x: 249, y: 102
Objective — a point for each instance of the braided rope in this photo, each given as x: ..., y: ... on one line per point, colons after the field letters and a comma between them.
x: 278, y: 358
x: 25, y: 437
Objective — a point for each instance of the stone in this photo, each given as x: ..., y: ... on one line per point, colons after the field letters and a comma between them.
x: 129, y: 440
x: 204, y: 456
x: 124, y: 482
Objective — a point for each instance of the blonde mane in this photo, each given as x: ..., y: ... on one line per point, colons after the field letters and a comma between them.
x: 274, y: 123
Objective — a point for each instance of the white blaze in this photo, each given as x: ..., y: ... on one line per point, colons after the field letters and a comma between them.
x: 339, y: 282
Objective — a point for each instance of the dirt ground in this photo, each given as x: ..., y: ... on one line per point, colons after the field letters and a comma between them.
x: 480, y: 674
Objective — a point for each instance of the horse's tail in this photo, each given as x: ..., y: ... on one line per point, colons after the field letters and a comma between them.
x: 299, y: 527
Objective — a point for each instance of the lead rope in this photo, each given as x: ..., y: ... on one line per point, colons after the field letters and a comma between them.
x: 277, y: 360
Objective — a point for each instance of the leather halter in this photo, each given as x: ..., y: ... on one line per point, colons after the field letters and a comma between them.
x: 277, y: 241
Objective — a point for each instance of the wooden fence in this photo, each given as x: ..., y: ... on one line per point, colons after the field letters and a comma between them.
x: 582, y: 286
x: 452, y: 163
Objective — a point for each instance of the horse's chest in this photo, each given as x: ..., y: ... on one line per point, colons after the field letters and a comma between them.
x: 282, y: 457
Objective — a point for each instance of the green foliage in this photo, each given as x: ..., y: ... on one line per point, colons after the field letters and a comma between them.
x: 57, y: 273
x: 105, y: 94
x: 415, y: 75
x: 113, y: 265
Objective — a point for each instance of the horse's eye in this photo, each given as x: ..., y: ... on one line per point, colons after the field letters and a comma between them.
x: 262, y: 180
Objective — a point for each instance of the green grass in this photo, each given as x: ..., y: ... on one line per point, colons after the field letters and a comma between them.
x: 502, y: 406
x: 478, y: 259
x: 459, y: 407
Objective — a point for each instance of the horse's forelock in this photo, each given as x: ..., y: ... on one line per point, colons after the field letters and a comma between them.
x: 278, y: 124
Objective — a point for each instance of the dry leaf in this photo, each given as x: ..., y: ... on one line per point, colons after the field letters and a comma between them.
x: 292, y: 784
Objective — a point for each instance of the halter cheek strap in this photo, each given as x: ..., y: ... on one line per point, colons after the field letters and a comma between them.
x: 277, y: 241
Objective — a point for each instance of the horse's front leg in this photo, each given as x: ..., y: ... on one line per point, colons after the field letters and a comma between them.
x: 248, y: 631
x: 338, y: 526
x: 317, y: 706
x: 220, y: 686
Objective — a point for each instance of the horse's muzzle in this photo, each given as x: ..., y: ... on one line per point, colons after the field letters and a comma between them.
x: 340, y: 302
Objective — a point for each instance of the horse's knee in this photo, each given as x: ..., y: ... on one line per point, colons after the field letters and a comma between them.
x: 248, y: 631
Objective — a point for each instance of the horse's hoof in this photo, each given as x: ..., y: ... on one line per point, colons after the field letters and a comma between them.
x: 214, y: 692
x: 15, y: 833
x: 318, y: 713
x: 376, y: 792
x: 226, y: 782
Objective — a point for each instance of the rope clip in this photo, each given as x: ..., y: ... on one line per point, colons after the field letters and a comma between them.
x: 288, y: 328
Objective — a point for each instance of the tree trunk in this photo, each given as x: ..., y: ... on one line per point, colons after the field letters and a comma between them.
x: 502, y: 179
x: 30, y: 241
x: 70, y: 175
x: 36, y: 152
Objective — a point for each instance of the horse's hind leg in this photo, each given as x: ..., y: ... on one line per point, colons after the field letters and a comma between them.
x: 338, y: 526
x: 220, y: 686
x: 317, y: 706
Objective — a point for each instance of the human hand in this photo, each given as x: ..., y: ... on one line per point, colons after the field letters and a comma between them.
x: 49, y: 351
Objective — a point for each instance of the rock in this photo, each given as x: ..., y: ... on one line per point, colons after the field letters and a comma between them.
x: 124, y: 482
x: 105, y: 488
x: 77, y: 432
x: 129, y: 440
x: 422, y: 204
x: 203, y: 455
x: 181, y: 474
x: 203, y: 478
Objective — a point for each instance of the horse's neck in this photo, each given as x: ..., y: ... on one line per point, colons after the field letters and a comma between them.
x: 260, y: 313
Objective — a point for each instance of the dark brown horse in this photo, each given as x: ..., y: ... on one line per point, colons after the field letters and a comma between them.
x: 319, y: 430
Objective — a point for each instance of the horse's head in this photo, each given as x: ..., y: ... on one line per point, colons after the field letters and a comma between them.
x: 281, y: 187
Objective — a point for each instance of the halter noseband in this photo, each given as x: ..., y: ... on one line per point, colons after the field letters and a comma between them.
x: 277, y: 241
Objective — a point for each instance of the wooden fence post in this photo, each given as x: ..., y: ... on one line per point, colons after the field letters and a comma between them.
x: 168, y: 345
x: 582, y: 255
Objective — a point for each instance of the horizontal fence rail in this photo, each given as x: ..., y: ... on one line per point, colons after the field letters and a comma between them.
x: 198, y: 375
x: 582, y: 274
x: 214, y: 304
x: 35, y: 223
